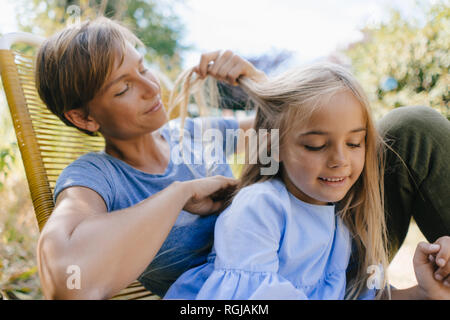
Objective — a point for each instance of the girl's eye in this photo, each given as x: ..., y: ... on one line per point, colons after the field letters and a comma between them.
x: 144, y: 71
x: 351, y: 145
x: 311, y: 148
x: 122, y: 92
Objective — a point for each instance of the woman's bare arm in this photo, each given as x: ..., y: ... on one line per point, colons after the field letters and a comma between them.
x: 103, y: 246
x: 112, y: 249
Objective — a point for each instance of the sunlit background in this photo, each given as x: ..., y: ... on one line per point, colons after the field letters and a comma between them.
x: 398, y: 49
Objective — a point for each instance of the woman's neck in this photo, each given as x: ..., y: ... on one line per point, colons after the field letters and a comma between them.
x: 149, y: 153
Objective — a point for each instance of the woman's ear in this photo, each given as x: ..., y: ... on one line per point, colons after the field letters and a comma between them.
x: 79, y: 119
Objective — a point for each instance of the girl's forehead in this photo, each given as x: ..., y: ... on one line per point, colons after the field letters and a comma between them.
x: 342, y: 112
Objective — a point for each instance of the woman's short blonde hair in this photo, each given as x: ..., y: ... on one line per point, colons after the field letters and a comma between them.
x: 73, y: 65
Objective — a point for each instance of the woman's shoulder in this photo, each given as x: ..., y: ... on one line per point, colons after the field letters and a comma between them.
x: 97, y: 159
x: 91, y: 166
x: 92, y: 171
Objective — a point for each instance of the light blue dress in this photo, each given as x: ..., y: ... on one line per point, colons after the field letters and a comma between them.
x: 270, y: 245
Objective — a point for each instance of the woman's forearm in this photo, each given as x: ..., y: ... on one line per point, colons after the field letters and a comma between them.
x: 112, y: 250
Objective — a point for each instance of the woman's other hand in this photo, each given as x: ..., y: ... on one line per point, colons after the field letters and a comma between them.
x: 209, y: 195
x: 432, y: 268
x: 228, y: 67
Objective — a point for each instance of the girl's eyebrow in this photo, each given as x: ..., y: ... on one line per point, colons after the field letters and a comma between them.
x: 120, y: 77
x: 318, y: 132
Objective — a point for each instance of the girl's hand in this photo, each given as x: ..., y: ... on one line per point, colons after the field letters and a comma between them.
x: 209, y: 195
x: 228, y: 67
x: 431, y: 260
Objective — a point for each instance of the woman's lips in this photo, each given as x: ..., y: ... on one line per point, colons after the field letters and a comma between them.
x: 154, y: 108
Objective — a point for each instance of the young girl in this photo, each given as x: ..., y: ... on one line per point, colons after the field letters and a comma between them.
x: 289, y: 235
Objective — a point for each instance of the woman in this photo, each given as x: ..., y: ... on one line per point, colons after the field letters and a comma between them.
x: 122, y: 214
x: 110, y: 91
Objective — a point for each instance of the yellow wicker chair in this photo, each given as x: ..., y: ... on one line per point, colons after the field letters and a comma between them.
x: 46, y: 144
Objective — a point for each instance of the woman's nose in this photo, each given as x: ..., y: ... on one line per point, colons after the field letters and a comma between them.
x: 150, y: 87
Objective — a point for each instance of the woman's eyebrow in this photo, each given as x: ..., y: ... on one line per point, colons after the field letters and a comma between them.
x: 141, y: 59
x: 322, y: 133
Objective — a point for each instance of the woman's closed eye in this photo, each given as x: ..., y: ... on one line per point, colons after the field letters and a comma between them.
x: 123, y: 91
x: 128, y: 86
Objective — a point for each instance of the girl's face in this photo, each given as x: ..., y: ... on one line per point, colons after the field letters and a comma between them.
x: 129, y: 104
x: 321, y: 161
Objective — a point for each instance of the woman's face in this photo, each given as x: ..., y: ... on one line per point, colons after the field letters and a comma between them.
x: 129, y: 103
x: 324, y: 159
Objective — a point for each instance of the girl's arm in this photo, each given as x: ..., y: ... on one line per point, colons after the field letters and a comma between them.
x: 111, y: 250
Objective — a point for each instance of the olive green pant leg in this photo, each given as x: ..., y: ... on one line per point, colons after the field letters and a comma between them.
x: 421, y: 189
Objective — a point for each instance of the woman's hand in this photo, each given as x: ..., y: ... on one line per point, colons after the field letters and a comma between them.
x: 228, y: 67
x: 209, y: 195
x: 432, y: 269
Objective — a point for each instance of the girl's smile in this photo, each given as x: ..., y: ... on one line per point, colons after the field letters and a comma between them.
x: 334, y: 182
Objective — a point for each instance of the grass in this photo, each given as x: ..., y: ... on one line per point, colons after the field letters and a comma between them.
x: 18, y: 238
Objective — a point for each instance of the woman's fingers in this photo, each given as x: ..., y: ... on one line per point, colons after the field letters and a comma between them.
x: 210, y: 194
x: 234, y: 74
x: 227, y: 66
x: 442, y: 260
x: 218, y: 69
x: 216, y: 184
x: 423, y: 250
x: 205, y: 59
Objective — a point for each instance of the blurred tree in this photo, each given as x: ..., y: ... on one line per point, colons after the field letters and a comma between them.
x: 152, y: 21
x: 406, y: 62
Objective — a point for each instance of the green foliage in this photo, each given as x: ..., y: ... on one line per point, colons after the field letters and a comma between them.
x: 158, y: 29
x: 406, y: 63
x: 152, y: 21
x: 7, y: 158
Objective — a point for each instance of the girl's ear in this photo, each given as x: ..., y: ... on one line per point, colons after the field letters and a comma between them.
x: 79, y: 119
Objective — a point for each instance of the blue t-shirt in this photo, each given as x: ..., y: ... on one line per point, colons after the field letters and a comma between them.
x: 270, y: 245
x: 121, y: 186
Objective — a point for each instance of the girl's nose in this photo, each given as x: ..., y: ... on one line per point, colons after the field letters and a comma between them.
x: 338, y: 158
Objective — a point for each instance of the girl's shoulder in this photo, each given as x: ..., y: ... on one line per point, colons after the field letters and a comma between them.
x: 272, y: 188
x: 268, y: 198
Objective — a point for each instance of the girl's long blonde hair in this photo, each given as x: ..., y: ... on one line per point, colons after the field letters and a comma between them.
x: 295, y: 96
